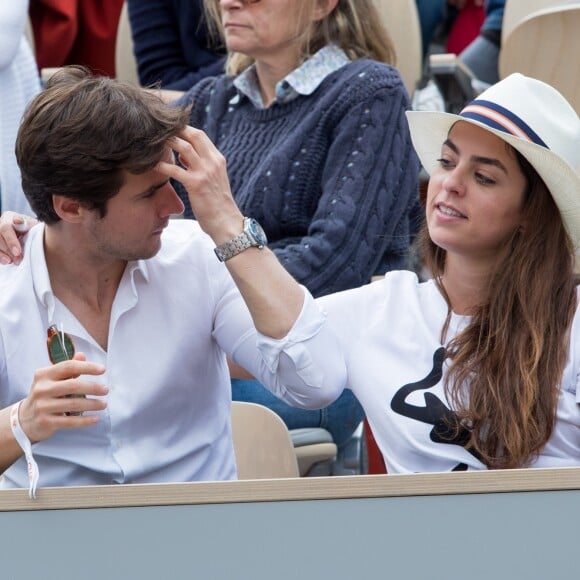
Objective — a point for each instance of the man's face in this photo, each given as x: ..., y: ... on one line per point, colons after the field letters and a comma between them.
x: 135, y: 218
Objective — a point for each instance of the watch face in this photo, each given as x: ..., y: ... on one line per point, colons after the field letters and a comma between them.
x: 257, y: 232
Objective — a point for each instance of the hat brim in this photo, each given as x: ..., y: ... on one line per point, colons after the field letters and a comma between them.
x: 429, y: 129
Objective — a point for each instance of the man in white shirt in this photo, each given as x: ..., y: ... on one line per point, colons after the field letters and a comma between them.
x: 148, y: 308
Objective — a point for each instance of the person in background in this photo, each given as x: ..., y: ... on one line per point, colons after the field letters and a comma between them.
x: 19, y: 83
x: 474, y: 36
x: 310, y: 116
x: 433, y: 14
x: 482, y: 55
x: 80, y: 32
x: 171, y: 43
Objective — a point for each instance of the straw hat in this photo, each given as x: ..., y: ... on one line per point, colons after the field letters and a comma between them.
x: 532, y: 117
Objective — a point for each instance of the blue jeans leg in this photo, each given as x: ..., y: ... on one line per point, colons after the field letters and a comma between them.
x: 341, y: 418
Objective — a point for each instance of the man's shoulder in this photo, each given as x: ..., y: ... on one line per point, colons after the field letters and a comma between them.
x: 181, y: 231
x: 8, y: 275
x: 187, y: 256
x: 14, y: 278
x: 16, y: 288
x: 185, y: 236
x: 183, y: 227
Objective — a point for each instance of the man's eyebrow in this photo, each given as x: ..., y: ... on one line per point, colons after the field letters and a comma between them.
x: 153, y: 188
x: 478, y: 158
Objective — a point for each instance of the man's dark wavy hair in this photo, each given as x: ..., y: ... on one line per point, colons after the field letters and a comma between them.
x: 82, y: 133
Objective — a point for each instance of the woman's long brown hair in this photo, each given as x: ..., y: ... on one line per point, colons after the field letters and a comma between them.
x: 506, y: 367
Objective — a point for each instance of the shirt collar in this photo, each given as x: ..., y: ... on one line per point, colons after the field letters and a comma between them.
x: 303, y: 80
x: 39, y: 271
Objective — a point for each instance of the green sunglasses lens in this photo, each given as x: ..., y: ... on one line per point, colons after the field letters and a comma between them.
x: 60, y: 346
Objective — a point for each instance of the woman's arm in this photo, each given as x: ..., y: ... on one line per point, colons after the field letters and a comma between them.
x: 171, y: 43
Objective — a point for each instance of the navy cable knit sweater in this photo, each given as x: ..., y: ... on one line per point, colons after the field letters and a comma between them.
x: 332, y: 177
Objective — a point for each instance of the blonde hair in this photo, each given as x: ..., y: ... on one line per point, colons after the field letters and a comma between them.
x: 353, y: 25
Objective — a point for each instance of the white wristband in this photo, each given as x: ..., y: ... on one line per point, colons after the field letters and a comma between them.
x: 26, y: 446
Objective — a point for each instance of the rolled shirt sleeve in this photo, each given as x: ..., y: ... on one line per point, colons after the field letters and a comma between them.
x: 305, y: 368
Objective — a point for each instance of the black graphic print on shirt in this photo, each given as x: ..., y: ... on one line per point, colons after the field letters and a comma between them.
x: 434, y: 412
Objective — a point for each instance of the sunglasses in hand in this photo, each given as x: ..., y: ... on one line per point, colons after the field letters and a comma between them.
x: 61, y: 348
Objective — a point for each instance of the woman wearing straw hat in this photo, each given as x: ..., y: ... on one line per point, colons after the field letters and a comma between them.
x: 477, y: 367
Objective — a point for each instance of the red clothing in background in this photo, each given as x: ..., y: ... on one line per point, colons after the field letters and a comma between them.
x: 376, y: 463
x: 466, y: 27
x: 76, y: 32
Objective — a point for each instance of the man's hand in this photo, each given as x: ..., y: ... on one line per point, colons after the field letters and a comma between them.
x: 205, y: 178
x: 44, y: 410
x: 272, y: 296
x: 13, y: 226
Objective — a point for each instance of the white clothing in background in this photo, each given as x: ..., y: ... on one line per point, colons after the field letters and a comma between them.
x: 19, y: 83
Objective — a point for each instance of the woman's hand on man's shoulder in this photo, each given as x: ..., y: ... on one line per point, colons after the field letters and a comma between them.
x: 13, y: 227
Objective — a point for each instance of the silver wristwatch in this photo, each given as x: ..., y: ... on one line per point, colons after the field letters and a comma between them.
x: 252, y: 236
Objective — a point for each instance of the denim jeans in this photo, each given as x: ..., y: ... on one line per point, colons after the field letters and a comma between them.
x: 341, y: 418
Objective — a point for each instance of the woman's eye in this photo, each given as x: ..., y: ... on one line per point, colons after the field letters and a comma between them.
x: 445, y: 163
x: 484, y: 179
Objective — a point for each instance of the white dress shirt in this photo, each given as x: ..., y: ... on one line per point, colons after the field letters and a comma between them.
x: 174, y: 318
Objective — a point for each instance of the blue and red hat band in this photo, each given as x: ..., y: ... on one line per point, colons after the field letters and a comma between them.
x: 497, y: 117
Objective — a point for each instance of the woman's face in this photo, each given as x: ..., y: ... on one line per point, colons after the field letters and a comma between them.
x: 475, y: 196
x: 266, y: 30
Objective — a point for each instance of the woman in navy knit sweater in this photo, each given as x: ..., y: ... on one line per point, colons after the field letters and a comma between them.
x: 310, y: 117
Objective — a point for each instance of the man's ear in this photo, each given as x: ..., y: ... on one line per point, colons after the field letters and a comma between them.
x: 324, y: 8
x: 67, y: 209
